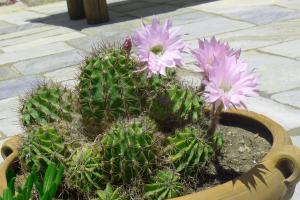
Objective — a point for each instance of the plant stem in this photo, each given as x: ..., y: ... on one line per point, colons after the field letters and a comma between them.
x: 214, y: 120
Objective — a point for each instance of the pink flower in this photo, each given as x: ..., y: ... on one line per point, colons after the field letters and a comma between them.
x: 230, y: 82
x: 212, y: 50
x: 159, y: 46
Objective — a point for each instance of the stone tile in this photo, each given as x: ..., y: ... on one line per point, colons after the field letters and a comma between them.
x: 17, y: 7
x: 130, y: 6
x: 264, y: 35
x: 18, y: 86
x: 65, y: 74
x: 276, y: 73
x: 24, y: 33
x: 34, y: 52
x: 7, y: 72
x: 290, y: 97
x: 50, y: 63
x: 51, y: 9
x: 162, y: 11
x: 293, y: 4
x: 90, y: 43
x: 263, y: 14
x: 296, y: 141
x: 205, y: 28
x: 294, y: 132
x: 190, y: 17
x: 220, y: 7
x: 9, y: 120
x: 289, y: 49
x: 36, y: 36
x: 42, y: 41
x: 10, y: 127
x: 21, y: 17
x: 286, y: 116
x: 17, y: 28
x: 9, y: 108
x: 113, y: 28
x: 4, y: 25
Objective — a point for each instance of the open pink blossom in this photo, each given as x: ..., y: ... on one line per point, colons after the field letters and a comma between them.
x: 230, y: 82
x: 212, y: 50
x: 159, y: 46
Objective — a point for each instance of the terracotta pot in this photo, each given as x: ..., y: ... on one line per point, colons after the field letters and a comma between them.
x: 75, y: 9
x: 96, y: 11
x: 272, y: 179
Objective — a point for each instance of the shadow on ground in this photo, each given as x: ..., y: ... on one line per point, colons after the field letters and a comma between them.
x: 121, y: 11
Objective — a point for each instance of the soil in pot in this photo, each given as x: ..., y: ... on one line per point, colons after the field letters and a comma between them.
x: 243, y: 148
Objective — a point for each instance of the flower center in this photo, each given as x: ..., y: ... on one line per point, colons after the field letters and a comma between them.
x: 225, y: 87
x: 157, y: 49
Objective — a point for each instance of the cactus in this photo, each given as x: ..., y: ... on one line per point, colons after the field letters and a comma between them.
x: 173, y: 104
x: 108, y: 88
x: 47, y: 103
x: 129, y: 150
x: 164, y: 185
x: 83, y: 172
x: 109, y: 193
x: 188, y: 150
x: 42, y: 147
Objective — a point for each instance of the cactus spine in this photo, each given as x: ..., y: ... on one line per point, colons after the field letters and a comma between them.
x: 47, y: 103
x: 164, y: 185
x: 129, y: 150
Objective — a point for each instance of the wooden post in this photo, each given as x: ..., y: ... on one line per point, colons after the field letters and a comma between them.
x: 75, y: 9
x: 96, y: 11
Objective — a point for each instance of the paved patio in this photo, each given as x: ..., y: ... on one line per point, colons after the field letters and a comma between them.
x: 38, y: 43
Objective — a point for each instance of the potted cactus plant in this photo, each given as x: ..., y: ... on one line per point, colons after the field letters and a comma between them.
x: 132, y: 130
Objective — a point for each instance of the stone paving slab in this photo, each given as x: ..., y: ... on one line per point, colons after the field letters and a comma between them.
x: 22, y: 17
x: 50, y: 63
x: 206, y: 27
x: 287, y: 49
x: 51, y: 9
x: 8, y: 72
x: 293, y: 4
x: 264, y: 35
x: 63, y: 75
x: 276, y: 73
x: 34, y: 52
x: 289, y: 97
x: 286, y: 116
x: 42, y: 41
x: 18, y: 86
x: 41, y: 38
x: 223, y: 6
x: 262, y: 14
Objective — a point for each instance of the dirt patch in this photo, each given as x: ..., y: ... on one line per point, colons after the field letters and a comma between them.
x: 242, y: 150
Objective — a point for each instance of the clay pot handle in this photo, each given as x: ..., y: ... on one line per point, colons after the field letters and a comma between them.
x: 9, y: 152
x: 287, y: 160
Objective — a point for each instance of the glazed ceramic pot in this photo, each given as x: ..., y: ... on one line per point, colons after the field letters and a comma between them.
x: 75, y: 9
x: 274, y: 178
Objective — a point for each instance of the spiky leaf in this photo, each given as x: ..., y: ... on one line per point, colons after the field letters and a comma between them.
x: 129, y: 150
x: 108, y: 88
x: 164, y: 185
x: 187, y: 149
x: 47, y: 103
x: 109, y: 193
x: 83, y: 171
x: 43, y: 146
